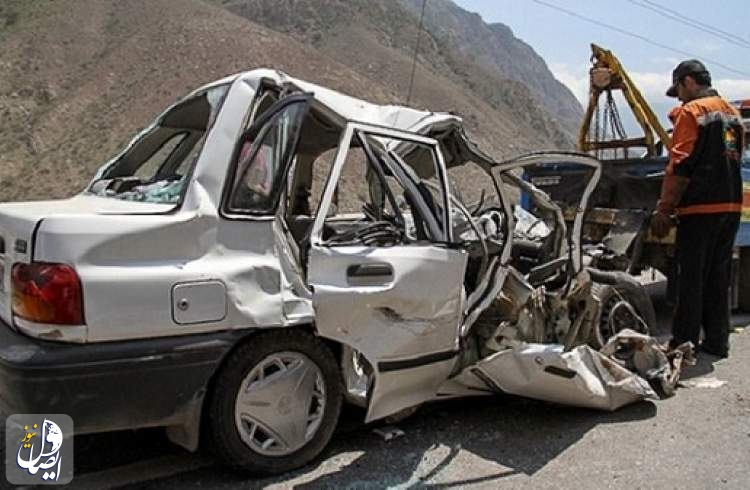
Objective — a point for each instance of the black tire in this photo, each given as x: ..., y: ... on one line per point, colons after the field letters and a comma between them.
x: 629, y: 291
x: 224, y: 438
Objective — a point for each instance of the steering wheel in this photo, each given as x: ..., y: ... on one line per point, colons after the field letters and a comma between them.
x: 376, y: 234
x: 369, y: 211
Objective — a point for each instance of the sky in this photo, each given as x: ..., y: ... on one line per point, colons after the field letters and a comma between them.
x: 564, y: 40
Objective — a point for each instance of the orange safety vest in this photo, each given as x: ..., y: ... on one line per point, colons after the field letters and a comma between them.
x: 707, y: 148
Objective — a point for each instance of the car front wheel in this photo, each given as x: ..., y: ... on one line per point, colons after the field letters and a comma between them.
x: 275, y: 403
x: 617, y: 302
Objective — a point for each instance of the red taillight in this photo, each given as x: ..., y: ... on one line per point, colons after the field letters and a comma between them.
x: 47, y: 293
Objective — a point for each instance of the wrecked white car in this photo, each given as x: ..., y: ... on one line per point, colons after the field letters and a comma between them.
x: 268, y: 249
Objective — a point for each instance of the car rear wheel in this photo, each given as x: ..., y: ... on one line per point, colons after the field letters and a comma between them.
x: 275, y: 403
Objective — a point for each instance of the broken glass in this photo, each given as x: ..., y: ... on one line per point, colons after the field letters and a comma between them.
x: 155, y: 167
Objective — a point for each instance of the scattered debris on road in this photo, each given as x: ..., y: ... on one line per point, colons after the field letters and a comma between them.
x: 706, y: 382
x: 388, y: 432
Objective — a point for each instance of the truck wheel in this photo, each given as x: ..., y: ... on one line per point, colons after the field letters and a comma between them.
x: 275, y: 403
x: 610, y: 296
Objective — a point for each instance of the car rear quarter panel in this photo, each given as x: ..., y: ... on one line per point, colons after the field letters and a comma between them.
x: 128, y: 266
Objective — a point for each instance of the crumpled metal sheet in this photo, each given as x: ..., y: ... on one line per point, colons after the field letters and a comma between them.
x: 579, y: 377
x: 646, y: 356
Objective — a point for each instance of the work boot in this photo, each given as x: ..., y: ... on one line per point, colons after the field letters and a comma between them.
x: 708, y: 349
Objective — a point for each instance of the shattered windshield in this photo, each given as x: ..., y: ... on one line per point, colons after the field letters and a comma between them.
x: 156, y: 166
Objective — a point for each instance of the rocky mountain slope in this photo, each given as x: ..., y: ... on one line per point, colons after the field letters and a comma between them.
x: 79, y: 77
x: 495, y: 48
x: 484, y: 60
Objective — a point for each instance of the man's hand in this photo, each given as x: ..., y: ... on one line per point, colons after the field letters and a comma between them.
x: 661, y: 222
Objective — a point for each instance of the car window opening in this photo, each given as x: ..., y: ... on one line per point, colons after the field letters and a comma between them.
x: 155, y: 168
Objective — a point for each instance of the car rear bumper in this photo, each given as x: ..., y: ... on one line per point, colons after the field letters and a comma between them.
x: 110, y: 386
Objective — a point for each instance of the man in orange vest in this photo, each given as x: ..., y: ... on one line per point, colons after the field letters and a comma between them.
x: 702, y: 189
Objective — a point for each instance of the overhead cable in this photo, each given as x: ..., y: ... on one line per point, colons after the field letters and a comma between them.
x: 702, y: 26
x: 416, y: 51
x: 640, y: 37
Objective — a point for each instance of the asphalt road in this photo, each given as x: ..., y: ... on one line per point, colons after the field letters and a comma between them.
x: 699, y: 438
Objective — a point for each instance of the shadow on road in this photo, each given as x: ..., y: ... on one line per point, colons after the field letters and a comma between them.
x: 520, y: 435
x: 703, y: 366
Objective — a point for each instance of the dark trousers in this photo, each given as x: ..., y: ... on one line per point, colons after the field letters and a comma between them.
x: 704, y: 259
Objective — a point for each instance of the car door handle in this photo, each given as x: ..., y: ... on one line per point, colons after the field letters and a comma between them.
x: 370, y: 271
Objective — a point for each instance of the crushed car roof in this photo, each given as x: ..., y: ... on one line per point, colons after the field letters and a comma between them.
x: 445, y: 127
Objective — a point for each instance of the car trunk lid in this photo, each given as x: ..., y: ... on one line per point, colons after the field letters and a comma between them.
x: 19, y: 221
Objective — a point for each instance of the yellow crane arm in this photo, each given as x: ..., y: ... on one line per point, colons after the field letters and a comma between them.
x: 608, y: 74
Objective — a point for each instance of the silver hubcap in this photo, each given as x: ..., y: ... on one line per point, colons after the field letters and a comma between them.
x: 280, y: 404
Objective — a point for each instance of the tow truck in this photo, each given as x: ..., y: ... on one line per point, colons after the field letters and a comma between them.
x: 743, y: 106
x: 616, y: 226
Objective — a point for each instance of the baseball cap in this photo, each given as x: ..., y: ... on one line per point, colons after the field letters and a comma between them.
x: 687, y: 67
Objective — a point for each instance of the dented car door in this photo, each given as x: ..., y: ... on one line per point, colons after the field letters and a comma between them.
x: 390, y: 286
